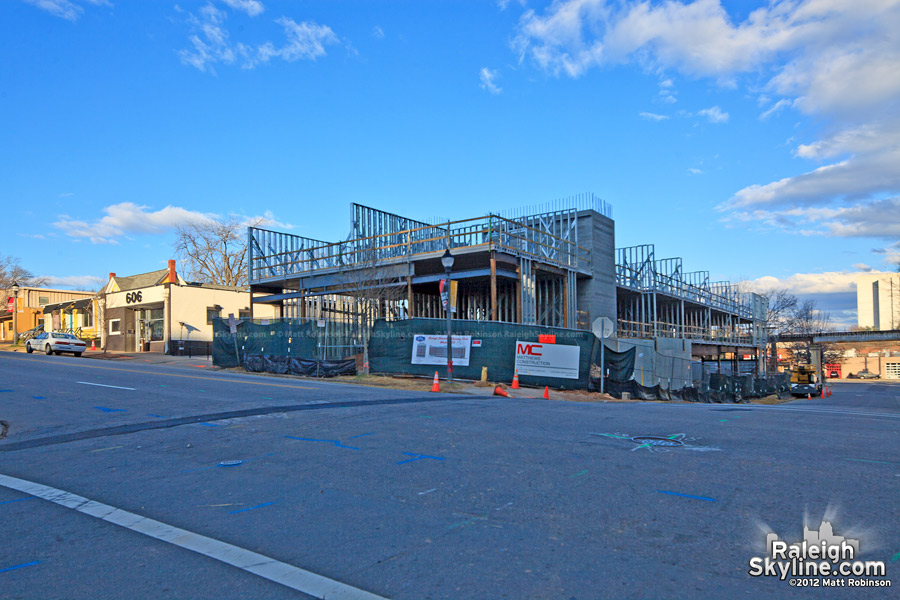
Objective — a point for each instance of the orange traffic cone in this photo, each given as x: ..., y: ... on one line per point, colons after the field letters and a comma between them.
x: 829, y: 391
x: 515, y: 383
x: 93, y: 344
x: 823, y: 391
x: 808, y: 396
x: 499, y: 391
x: 546, y: 392
x: 434, y: 385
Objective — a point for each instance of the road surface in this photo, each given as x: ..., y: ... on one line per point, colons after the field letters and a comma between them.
x: 208, y: 484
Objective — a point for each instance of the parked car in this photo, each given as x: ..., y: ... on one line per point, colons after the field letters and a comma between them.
x: 55, y: 341
x: 867, y: 375
x: 834, y: 375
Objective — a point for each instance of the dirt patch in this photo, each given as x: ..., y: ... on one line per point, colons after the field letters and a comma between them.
x: 771, y: 400
x: 108, y: 356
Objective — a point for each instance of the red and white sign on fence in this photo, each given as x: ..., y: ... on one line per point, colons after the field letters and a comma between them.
x: 547, y: 360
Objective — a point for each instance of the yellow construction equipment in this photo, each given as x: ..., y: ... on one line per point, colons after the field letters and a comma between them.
x: 805, y: 381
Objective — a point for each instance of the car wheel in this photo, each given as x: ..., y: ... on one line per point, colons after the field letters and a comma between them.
x: 78, y: 354
x: 48, y: 349
x: 28, y: 348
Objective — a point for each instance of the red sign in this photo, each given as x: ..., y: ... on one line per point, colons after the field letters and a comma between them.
x: 11, y: 304
x: 546, y: 338
x: 528, y: 349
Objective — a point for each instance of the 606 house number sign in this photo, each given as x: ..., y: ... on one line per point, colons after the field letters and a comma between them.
x: 132, y: 297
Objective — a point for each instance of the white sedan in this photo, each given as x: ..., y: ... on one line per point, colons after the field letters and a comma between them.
x: 55, y: 341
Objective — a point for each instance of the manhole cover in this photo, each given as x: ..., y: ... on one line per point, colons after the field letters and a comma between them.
x: 651, y: 440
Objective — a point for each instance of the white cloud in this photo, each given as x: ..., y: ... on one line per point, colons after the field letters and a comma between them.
x: 306, y: 40
x: 775, y: 108
x: 251, y: 7
x: 127, y: 218
x: 835, y: 62
x: 78, y: 282
x: 863, y: 267
x: 378, y: 32
x: 487, y: 77
x: 714, y: 114
x: 210, y: 43
x: 832, y: 282
x: 694, y: 171
x: 66, y: 9
x: 653, y: 116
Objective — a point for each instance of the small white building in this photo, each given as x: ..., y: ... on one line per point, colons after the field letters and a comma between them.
x: 161, y: 312
x: 878, y: 300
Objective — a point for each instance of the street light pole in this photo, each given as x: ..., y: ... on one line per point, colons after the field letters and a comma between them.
x: 15, y: 289
x: 447, y: 261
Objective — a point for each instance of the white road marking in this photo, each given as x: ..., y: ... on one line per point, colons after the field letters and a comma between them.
x: 428, y: 491
x: 287, y: 575
x: 103, y: 385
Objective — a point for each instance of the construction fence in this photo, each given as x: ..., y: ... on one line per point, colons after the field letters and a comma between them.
x: 418, y: 347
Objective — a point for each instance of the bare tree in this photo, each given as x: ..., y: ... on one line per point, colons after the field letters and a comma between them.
x: 375, y: 290
x: 12, y: 271
x: 781, y: 305
x: 215, y: 250
x: 806, y: 319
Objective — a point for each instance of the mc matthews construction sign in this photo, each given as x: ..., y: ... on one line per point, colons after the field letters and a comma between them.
x: 547, y: 360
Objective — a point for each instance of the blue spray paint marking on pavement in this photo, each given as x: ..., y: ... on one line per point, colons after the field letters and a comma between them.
x: 417, y: 457
x: 209, y: 424
x: 896, y: 557
x: 104, y: 409
x: 353, y: 437
x: 335, y: 442
x: 17, y: 500
x: 251, y: 508
x: 2, y: 391
x: 38, y: 397
x: 687, y: 496
x: 31, y: 564
x: 157, y: 416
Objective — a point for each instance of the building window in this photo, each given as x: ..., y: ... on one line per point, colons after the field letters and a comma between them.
x: 42, y: 300
x: 115, y: 326
x: 213, y: 313
x: 152, y: 324
x: 244, y: 314
x: 87, y: 319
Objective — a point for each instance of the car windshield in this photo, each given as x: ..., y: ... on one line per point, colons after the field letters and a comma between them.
x: 64, y: 336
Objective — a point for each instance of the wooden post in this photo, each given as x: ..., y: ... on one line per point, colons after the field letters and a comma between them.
x: 409, y: 295
x: 493, y: 289
x: 565, y: 301
x: 302, y: 305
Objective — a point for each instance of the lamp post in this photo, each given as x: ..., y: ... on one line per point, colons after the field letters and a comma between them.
x: 447, y: 261
x: 15, y: 289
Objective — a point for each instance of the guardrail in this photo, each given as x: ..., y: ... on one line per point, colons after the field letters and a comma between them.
x: 274, y: 254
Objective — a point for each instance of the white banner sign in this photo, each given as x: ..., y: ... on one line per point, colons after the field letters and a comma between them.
x: 432, y: 350
x: 547, y: 360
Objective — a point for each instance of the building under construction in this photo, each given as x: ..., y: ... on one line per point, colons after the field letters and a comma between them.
x: 555, y: 266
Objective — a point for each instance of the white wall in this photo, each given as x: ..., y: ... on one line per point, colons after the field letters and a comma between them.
x: 189, y: 305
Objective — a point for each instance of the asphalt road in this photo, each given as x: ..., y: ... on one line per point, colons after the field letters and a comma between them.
x: 410, y: 495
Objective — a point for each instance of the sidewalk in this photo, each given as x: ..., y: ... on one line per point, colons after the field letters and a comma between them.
x: 154, y: 358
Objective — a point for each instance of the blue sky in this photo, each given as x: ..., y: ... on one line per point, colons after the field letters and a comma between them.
x: 757, y: 141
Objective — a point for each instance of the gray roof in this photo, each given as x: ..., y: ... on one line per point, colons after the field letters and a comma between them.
x: 143, y: 280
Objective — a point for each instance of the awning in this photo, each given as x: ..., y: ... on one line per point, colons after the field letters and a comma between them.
x: 69, y: 305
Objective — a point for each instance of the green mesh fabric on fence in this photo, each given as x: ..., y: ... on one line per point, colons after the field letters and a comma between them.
x: 280, y: 338
x: 391, y: 346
